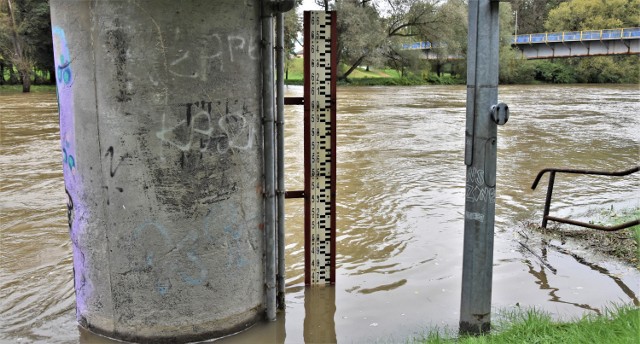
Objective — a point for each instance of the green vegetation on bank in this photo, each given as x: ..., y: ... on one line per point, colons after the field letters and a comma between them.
x: 623, y: 244
x: 34, y: 88
x: 371, y: 34
x: 375, y: 76
x: 617, y: 325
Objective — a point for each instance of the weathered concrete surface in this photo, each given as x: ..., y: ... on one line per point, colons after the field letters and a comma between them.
x: 160, y: 112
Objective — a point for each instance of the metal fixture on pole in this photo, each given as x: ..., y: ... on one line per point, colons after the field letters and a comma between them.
x: 280, y: 187
x: 483, y: 115
x: 274, y: 259
x: 269, y: 158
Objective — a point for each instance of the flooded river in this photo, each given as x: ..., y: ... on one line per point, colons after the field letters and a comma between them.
x: 400, y: 199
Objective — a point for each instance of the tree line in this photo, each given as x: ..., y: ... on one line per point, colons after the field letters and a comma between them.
x: 371, y: 33
x: 26, y: 47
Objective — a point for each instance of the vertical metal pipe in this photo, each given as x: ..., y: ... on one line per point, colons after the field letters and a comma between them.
x: 547, y: 203
x: 480, y: 158
x: 269, y: 157
x: 280, y: 154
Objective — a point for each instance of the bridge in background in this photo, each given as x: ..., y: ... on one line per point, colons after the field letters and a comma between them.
x: 548, y: 45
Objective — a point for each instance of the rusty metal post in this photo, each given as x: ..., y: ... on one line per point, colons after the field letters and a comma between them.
x: 547, y: 202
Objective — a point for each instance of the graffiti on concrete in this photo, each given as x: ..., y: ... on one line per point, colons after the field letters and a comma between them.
x: 64, y: 83
x: 173, y: 257
x: 221, y: 126
x: 164, y: 258
x: 70, y: 211
x: 211, y: 54
x: 113, y: 169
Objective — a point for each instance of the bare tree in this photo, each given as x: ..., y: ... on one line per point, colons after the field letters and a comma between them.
x: 323, y: 3
x: 18, y: 52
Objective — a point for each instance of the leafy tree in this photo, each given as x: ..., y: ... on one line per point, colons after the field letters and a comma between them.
x: 360, y: 34
x: 531, y: 14
x: 450, y: 39
x: 514, y: 68
x: 25, y: 38
x: 5, y: 40
x: 292, y: 26
x: 575, y: 15
x: 35, y: 29
x: 607, y: 69
x: 366, y: 36
x: 15, y: 49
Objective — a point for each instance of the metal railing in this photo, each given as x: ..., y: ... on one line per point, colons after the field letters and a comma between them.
x: 416, y: 46
x: 553, y: 37
x: 552, y: 175
x: 577, y: 36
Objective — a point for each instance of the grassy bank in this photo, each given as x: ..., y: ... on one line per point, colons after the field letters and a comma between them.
x: 616, y: 325
x: 34, y: 88
x: 623, y: 244
x: 373, y: 77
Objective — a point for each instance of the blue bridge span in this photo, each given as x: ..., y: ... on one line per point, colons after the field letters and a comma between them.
x: 547, y: 45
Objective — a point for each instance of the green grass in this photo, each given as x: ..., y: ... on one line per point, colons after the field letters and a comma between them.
x: 623, y: 244
x: 619, y: 324
x: 34, y: 88
x: 296, y: 69
x: 612, y: 217
x: 373, y: 77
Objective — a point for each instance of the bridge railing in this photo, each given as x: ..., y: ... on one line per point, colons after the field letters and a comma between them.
x: 576, y: 36
x: 553, y: 37
x: 417, y: 46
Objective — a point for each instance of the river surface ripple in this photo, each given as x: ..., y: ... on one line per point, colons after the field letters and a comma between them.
x: 400, y: 200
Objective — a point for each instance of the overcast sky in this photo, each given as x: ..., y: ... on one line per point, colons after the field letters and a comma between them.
x: 309, y: 5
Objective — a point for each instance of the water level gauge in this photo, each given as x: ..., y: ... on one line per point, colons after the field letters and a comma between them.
x: 320, y: 146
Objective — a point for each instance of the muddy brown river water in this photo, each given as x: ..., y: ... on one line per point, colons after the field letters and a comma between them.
x: 400, y: 200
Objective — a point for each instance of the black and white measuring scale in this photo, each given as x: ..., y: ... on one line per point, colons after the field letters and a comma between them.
x: 320, y: 146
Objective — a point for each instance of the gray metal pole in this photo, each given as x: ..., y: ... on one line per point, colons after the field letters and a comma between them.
x: 280, y: 155
x: 269, y: 158
x: 480, y: 158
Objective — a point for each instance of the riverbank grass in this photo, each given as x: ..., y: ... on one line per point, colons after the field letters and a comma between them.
x: 623, y: 244
x: 617, y: 325
x: 372, y: 77
x: 34, y: 88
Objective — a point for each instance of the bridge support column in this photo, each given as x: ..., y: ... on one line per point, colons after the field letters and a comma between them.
x: 161, y: 130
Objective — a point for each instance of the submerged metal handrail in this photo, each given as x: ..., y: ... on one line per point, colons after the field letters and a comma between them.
x: 547, y: 203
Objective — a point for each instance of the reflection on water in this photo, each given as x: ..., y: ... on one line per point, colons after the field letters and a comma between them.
x: 320, y: 309
x: 400, y: 202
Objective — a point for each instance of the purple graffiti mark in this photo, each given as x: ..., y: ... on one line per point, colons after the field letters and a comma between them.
x: 64, y: 83
x: 68, y: 159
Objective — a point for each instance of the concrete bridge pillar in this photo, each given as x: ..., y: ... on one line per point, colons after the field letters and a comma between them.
x: 160, y: 122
